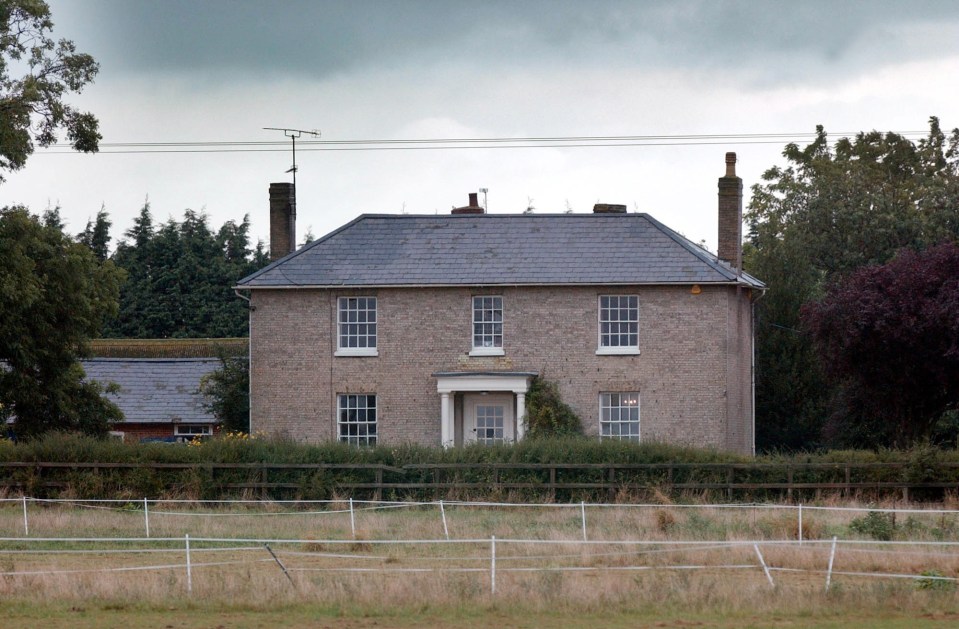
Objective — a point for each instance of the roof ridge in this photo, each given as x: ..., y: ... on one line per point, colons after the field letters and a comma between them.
x: 116, y: 359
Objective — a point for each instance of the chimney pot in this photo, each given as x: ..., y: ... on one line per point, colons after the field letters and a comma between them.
x: 730, y: 164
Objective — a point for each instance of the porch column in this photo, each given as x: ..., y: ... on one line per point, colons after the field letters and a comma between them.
x: 520, y: 416
x: 446, y: 421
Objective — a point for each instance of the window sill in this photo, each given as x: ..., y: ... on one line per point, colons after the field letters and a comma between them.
x: 357, y: 351
x: 487, y: 351
x: 617, y: 351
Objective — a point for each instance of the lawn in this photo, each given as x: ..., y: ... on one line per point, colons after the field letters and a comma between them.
x: 196, y: 616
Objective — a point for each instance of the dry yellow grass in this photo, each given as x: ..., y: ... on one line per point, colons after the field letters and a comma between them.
x: 540, y: 562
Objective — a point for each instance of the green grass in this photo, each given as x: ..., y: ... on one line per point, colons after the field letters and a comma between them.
x: 195, y: 615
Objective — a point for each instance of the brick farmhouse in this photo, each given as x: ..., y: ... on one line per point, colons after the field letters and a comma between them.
x: 430, y: 328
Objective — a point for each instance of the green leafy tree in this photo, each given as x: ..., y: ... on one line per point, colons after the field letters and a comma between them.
x: 830, y: 211
x: 546, y: 413
x: 54, y: 296
x: 227, y: 393
x: 32, y: 107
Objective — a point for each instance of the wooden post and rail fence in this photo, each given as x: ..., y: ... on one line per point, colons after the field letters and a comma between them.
x: 541, y: 480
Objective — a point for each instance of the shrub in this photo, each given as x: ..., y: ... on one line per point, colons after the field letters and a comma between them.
x: 880, y: 526
x: 226, y: 393
x: 547, y: 415
x: 665, y: 521
x: 934, y: 581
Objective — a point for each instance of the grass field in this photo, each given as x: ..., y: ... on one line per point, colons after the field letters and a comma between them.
x: 656, y: 566
x: 180, y: 615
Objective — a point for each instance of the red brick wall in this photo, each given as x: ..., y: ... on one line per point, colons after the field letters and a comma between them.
x: 134, y: 432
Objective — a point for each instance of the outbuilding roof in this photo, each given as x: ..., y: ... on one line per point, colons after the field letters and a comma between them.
x: 155, y: 390
x: 498, y: 249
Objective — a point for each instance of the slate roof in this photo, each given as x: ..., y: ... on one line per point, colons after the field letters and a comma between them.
x: 498, y: 249
x: 155, y: 390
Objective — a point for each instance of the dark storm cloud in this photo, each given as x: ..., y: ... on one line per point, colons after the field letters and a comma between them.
x: 321, y: 38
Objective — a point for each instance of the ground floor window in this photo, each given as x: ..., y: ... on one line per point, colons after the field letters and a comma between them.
x: 490, y: 423
x: 619, y: 416
x: 357, y: 419
x: 193, y: 430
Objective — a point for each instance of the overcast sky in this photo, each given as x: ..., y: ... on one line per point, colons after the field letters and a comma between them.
x: 182, y: 71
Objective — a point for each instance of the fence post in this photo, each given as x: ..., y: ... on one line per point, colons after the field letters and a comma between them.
x: 26, y: 523
x: 492, y: 565
x: 263, y: 480
x: 832, y: 556
x: 729, y: 482
x: 189, y: 567
x: 279, y: 563
x: 446, y: 530
x: 800, y: 524
x: 582, y: 506
x: 352, y: 519
x: 765, y: 567
x: 146, y: 516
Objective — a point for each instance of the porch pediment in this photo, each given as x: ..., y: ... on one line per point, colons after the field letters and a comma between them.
x: 478, y: 381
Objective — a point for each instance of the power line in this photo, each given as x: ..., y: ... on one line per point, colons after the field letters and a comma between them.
x: 458, y: 143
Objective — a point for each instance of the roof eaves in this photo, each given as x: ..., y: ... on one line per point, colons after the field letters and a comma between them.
x: 729, y: 282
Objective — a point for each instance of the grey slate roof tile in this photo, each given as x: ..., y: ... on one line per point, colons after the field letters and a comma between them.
x: 155, y: 390
x: 498, y: 249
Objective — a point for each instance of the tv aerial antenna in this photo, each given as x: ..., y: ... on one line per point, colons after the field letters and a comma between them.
x: 293, y: 134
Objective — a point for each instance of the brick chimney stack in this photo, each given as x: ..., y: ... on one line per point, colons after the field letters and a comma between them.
x: 473, y: 208
x: 609, y: 208
x: 731, y: 215
x: 282, y: 220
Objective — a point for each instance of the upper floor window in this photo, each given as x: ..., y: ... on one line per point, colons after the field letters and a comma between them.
x: 618, y: 324
x: 357, y: 419
x: 487, y: 325
x: 619, y: 416
x: 356, y: 321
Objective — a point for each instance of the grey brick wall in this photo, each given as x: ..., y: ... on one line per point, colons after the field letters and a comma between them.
x: 693, y: 371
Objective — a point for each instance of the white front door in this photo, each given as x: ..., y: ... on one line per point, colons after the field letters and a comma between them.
x: 488, y: 418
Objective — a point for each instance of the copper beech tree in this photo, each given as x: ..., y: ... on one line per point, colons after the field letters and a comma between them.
x: 889, y: 335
